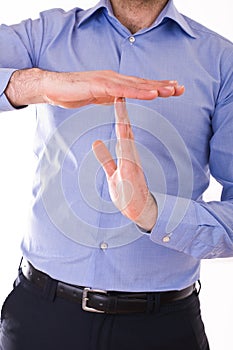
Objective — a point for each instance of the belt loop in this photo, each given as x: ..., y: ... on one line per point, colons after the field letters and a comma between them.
x: 20, y: 264
x: 17, y: 280
x: 50, y: 288
x: 150, y: 303
x: 156, y: 302
x: 153, y: 302
x: 112, y: 304
x: 199, y: 289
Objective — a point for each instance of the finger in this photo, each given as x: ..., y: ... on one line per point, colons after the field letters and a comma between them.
x: 179, y: 90
x: 125, y: 148
x: 142, y: 83
x: 104, y: 157
x: 167, y: 91
x: 140, y: 92
x: 146, y: 93
x: 123, y: 127
x: 164, y: 88
x: 114, y: 84
x: 124, y: 133
x: 154, y: 88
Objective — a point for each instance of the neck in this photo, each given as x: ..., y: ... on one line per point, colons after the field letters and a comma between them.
x: 137, y: 14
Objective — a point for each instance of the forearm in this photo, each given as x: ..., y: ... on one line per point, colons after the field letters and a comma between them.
x: 26, y: 87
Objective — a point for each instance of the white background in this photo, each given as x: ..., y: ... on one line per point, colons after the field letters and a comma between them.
x: 16, y: 169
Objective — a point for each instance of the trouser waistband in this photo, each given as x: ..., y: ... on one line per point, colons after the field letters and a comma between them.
x: 102, y: 301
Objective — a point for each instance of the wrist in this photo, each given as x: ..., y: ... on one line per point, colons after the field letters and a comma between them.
x: 147, y: 219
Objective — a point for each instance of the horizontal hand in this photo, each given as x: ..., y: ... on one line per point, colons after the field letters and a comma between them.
x: 76, y: 89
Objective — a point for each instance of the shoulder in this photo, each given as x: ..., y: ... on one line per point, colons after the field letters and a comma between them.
x: 204, y: 33
x: 59, y: 15
x: 212, y: 45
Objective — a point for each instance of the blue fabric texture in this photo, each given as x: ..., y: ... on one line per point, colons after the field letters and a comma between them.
x: 75, y: 233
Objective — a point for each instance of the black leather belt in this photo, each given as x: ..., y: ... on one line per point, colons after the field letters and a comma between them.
x: 102, y: 301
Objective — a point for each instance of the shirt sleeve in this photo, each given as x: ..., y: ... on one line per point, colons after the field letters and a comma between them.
x: 19, y: 47
x: 5, y: 75
x: 197, y: 228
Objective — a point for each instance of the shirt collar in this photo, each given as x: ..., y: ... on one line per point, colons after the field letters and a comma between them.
x: 84, y: 15
x: 169, y: 11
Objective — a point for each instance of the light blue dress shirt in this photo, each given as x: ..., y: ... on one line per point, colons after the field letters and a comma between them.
x: 75, y: 233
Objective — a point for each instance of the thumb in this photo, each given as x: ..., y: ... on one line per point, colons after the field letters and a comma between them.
x: 104, y: 157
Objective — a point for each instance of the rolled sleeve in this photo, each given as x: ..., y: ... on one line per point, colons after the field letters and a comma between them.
x: 5, y: 74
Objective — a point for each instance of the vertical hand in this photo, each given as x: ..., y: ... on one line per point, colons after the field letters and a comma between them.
x: 126, y: 181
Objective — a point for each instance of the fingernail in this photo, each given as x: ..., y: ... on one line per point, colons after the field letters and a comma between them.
x: 169, y: 88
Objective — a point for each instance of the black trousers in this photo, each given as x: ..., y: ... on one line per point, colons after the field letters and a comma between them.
x: 31, y: 320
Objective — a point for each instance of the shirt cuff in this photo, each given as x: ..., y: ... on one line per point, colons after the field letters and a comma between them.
x: 186, y: 226
x: 5, y: 74
x: 176, y: 218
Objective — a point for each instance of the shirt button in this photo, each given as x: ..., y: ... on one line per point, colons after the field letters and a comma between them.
x: 103, y: 245
x: 166, y: 239
x: 132, y: 39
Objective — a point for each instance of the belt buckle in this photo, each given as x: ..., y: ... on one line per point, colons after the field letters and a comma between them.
x: 85, y: 299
